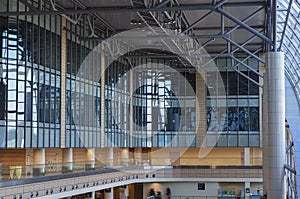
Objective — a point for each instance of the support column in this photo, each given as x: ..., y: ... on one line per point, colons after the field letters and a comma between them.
x: 247, y: 190
x: 246, y: 156
x: 63, y: 83
x: 109, y: 156
x: 131, y: 76
x: 102, y: 96
x: 124, y: 157
x: 93, y: 195
x: 39, y: 161
x: 126, y: 193
x: 90, y: 159
x: 67, y: 160
x: 201, y: 108
x: 109, y: 193
x: 138, y: 156
x: 274, y: 127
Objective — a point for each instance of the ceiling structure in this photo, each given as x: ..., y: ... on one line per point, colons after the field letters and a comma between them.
x: 223, y: 27
x: 288, y: 39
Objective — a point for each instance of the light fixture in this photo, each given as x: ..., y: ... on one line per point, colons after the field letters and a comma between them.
x: 135, y: 22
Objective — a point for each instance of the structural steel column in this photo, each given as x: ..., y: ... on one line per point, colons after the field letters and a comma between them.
x: 274, y: 127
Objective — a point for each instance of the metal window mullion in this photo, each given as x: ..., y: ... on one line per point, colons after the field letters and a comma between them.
x: 25, y: 80
x: 49, y: 87
x: 38, y: 81
x: 17, y: 78
x: 32, y: 81
x: 6, y: 90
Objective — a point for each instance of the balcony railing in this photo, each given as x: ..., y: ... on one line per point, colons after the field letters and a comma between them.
x: 206, y: 167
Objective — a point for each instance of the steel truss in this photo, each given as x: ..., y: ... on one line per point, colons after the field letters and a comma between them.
x: 290, y: 166
x: 170, y: 12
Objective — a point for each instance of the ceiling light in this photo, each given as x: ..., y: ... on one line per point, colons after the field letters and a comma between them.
x: 135, y: 22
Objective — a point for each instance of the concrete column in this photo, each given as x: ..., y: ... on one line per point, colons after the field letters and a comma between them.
x: 247, y: 189
x: 67, y: 160
x: 109, y: 156
x: 93, y: 195
x: 201, y: 108
x: 39, y: 161
x: 63, y: 82
x: 124, y: 157
x: 109, y: 193
x: 138, y: 156
x: 126, y: 192
x: 274, y: 126
x: 90, y: 158
x: 246, y: 156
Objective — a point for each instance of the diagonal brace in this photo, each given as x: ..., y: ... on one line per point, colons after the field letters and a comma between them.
x: 239, y: 22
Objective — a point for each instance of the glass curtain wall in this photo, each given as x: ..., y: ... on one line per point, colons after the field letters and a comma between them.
x: 289, y: 37
x: 164, y: 104
x: 82, y: 94
x: 29, y: 79
x: 236, y: 122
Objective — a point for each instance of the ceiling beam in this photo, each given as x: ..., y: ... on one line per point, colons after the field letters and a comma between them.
x: 129, y: 9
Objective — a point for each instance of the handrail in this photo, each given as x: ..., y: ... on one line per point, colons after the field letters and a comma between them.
x: 20, y: 172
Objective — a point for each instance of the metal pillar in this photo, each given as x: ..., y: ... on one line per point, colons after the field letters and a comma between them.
x: 274, y: 127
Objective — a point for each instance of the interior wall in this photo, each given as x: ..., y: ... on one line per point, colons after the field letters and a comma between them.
x: 13, y: 157
x: 217, y: 156
x: 79, y: 154
x: 182, y: 189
